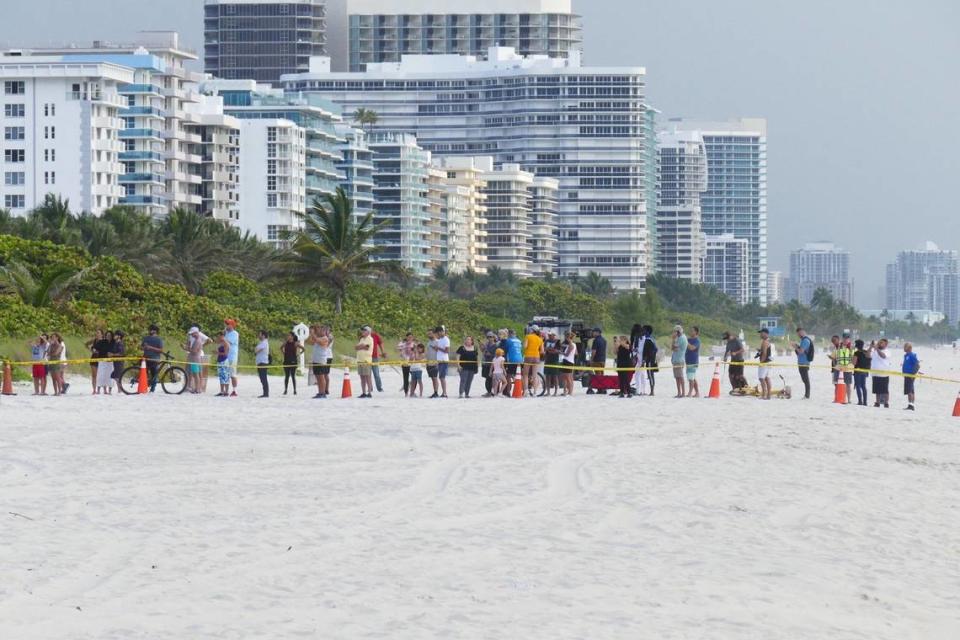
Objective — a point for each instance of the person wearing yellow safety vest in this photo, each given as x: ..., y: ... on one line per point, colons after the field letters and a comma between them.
x: 844, y: 364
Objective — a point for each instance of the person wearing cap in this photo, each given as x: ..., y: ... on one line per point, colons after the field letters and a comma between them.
x: 379, y: 352
x: 734, y: 353
x: 533, y: 351
x: 598, y: 357
x: 765, y: 358
x: 551, y: 362
x: 443, y: 358
x: 194, y: 347
x: 489, y: 353
x: 513, y: 352
x: 844, y: 364
x: 678, y: 359
x: 232, y: 337
x: 152, y: 346
x: 692, y: 358
x: 364, y: 350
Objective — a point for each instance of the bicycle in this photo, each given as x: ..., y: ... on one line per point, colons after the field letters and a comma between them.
x: 172, y: 378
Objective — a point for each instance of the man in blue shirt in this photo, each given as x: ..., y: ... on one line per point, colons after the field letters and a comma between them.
x: 513, y: 350
x: 804, y: 351
x: 692, y: 359
x: 911, y: 367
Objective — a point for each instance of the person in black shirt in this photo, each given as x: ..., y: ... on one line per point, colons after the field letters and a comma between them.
x: 598, y: 357
x: 624, y: 365
x: 468, y: 357
x: 551, y: 360
x: 649, y: 357
x: 291, y: 350
x: 861, y: 365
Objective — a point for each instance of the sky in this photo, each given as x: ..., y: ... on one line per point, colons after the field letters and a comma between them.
x: 862, y: 99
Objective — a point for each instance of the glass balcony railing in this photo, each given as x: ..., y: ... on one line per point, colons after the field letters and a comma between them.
x: 140, y: 177
x: 141, y: 155
x: 139, y: 133
x: 139, y: 88
x: 141, y: 111
x: 135, y: 199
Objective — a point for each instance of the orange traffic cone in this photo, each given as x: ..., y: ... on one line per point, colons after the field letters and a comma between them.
x: 956, y: 407
x: 8, y: 380
x: 142, y: 386
x: 346, y: 391
x: 715, y: 383
x: 518, y: 385
x: 840, y: 393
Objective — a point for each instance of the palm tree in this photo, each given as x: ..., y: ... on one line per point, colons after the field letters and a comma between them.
x: 55, y: 221
x: 196, y: 248
x: 334, y: 248
x: 51, y: 289
x: 596, y: 285
x: 366, y: 118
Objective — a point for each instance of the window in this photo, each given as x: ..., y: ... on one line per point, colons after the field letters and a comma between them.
x: 14, y: 87
x: 14, y: 133
x: 14, y: 201
x: 13, y: 110
x: 14, y: 155
x: 46, y: 133
x: 271, y: 199
x: 13, y: 178
x: 53, y: 109
x: 46, y: 109
x: 53, y: 132
x: 49, y: 177
x: 271, y: 183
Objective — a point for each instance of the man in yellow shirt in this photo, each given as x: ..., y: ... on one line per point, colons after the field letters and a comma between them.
x: 532, y: 355
x: 364, y: 350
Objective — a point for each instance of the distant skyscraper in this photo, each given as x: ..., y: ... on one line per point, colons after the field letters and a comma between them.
x: 727, y: 266
x: 820, y: 265
x: 683, y: 178
x: 736, y: 197
x: 925, y: 279
x: 369, y: 31
x: 262, y: 39
x: 775, y: 286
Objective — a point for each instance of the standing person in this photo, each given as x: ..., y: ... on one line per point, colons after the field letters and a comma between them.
x: 416, y: 370
x: 832, y: 354
x: 261, y: 358
x: 881, y: 379
x: 514, y: 355
x: 649, y: 354
x: 765, y: 357
x: 693, y: 362
x: 431, y: 354
x: 291, y: 353
x: 91, y: 345
x: 532, y: 354
x: 678, y: 358
x: 408, y: 353
x: 467, y: 357
x: 379, y: 353
x: 152, y: 346
x: 805, y: 352
x: 102, y: 348
x: 569, y: 359
x: 499, y: 373
x: 364, y: 350
x: 224, y: 370
x: 38, y: 355
x: 598, y: 357
x: 844, y: 363
x: 637, y: 340
x: 233, y: 338
x: 118, y: 350
x: 551, y: 361
x: 443, y: 357
x: 204, y: 360
x: 910, y: 369
x: 55, y: 351
x: 861, y: 371
x: 321, y: 357
x: 194, y: 347
x: 734, y: 352
x: 489, y: 353
x: 625, y: 365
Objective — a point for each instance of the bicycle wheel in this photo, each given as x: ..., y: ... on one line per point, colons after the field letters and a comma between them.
x: 543, y: 384
x: 130, y: 380
x: 173, y: 380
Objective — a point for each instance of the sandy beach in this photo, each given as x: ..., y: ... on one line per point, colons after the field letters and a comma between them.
x: 587, y: 517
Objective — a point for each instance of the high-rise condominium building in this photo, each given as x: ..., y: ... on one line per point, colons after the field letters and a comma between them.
x: 465, y: 174
x: 61, y: 132
x: 162, y: 120
x: 681, y: 246
x: 272, y: 186
x: 727, y: 266
x: 820, y: 265
x: 775, y: 287
x: 584, y: 126
x: 924, y: 279
x: 736, y: 198
x: 362, y: 32
x: 262, y: 39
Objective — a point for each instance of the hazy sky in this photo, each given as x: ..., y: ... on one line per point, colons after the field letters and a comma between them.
x: 862, y: 98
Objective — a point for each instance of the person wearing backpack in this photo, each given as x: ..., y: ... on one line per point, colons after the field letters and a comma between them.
x: 805, y: 352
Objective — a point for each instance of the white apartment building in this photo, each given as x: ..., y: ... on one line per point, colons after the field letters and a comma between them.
x: 219, y: 152
x: 736, y: 197
x: 465, y: 173
x: 272, y: 186
x: 726, y: 266
x: 775, y: 287
x: 681, y: 246
x: 820, y: 265
x: 361, y: 32
x: 925, y: 278
x: 584, y: 126
x: 508, y: 217
x: 542, y: 226
x: 61, y: 128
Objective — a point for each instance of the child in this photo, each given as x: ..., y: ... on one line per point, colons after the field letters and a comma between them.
x: 223, y: 365
x: 499, y: 373
x: 38, y: 350
x: 416, y: 370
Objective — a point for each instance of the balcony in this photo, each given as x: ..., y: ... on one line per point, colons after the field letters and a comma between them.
x: 126, y: 134
x: 141, y: 111
x: 129, y: 178
x: 139, y: 89
x: 141, y: 155
x: 142, y: 200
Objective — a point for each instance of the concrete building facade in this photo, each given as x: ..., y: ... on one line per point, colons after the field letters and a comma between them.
x: 727, y: 266
x: 820, y: 265
x: 681, y: 246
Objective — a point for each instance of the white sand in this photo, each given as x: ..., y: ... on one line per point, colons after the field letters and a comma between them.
x: 590, y: 517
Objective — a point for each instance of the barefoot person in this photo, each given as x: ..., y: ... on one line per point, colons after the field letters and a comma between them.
x: 532, y: 355
x: 262, y: 360
x: 678, y: 358
x: 38, y: 355
x: 364, y: 351
x: 765, y: 357
x: 881, y: 377
x: 291, y: 353
x: 233, y: 338
x: 467, y: 358
x: 693, y: 362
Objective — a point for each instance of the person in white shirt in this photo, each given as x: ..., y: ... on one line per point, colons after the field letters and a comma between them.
x: 881, y: 381
x: 262, y: 360
x: 443, y: 358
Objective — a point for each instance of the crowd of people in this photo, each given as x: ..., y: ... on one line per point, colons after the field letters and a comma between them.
x: 501, y: 358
